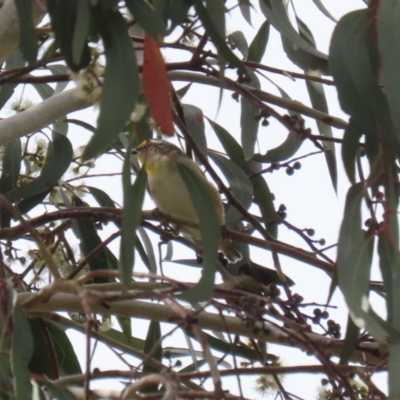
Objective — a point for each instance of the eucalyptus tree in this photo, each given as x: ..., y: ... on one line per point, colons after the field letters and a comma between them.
x: 85, y: 258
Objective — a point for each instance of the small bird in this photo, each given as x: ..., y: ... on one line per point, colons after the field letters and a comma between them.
x: 160, y: 159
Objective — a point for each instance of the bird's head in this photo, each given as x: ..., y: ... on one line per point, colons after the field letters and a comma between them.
x: 151, y: 148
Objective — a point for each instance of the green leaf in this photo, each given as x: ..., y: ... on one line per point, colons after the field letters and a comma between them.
x: 121, y: 80
x: 259, y: 44
x: 231, y: 348
x: 64, y: 19
x: 58, y: 159
x: 134, y: 343
x: 195, y: 125
x: 81, y: 31
x: 219, y: 41
x: 289, y: 147
x: 283, y: 152
x: 30, y: 202
x: 393, y: 369
x: 350, y: 148
x: 131, y: 217
x: 43, y: 358
x: 189, y: 262
x: 238, y: 39
x: 354, y: 62
x: 263, y: 274
x: 210, y: 233
x: 245, y: 6
x: 59, y: 69
x: 183, y: 90
x: 231, y: 146
x: 249, y: 124
x: 147, y: 17
x: 239, y: 184
x: 44, y: 90
x: 262, y: 195
x: 15, y: 60
x: 58, y: 392
x: 354, y: 263
x: 85, y: 230
x: 174, y: 11
x: 350, y: 341
x: 318, y: 101
x: 276, y: 14
x: 389, y: 45
x: 28, y: 42
x: 21, y: 353
x: 324, y: 11
x: 102, y: 198
x: 302, y: 58
x: 152, y: 345
x: 82, y: 124
x: 11, y: 166
x: 66, y: 356
x: 151, y: 263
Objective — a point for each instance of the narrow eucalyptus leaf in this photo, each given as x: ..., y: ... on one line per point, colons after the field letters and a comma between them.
x: 121, y: 80
x: 28, y: 38
x: 195, y: 125
x: 131, y: 218
x: 21, y: 353
x: 350, y: 341
x: 259, y: 44
x: 276, y: 14
x: 147, y: 17
x: 210, y: 233
x: 58, y: 159
x: 239, y: 184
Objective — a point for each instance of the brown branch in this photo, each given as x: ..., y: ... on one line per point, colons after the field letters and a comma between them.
x: 289, y: 74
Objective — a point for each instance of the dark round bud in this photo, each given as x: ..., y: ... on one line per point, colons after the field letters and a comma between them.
x: 325, y: 315
x: 289, y: 171
x: 368, y: 222
x: 310, y: 232
x: 264, y: 122
x: 276, y: 293
x: 317, y: 311
x: 296, y: 165
x: 282, y: 208
x: 272, y: 287
x: 322, y: 242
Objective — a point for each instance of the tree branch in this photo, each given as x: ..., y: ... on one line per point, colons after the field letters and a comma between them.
x: 292, y: 105
x: 46, y: 112
x: 266, y: 332
x: 9, y: 25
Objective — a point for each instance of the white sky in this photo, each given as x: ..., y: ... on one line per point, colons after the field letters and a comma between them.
x: 308, y: 194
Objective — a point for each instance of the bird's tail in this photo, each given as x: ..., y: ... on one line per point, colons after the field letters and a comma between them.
x: 226, y: 246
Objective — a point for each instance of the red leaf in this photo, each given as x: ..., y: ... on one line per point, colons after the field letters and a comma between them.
x: 157, y: 87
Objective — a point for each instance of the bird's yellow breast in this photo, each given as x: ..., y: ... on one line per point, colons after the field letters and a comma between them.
x: 170, y: 194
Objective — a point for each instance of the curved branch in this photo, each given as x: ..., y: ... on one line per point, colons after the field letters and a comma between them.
x: 113, y: 214
x: 9, y: 25
x: 292, y: 105
x: 265, y: 332
x: 42, y: 114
